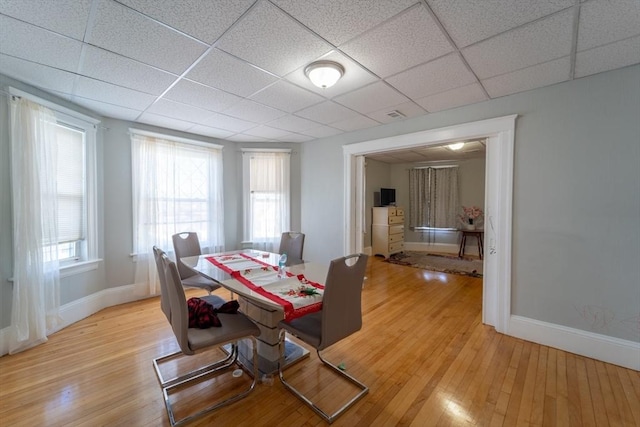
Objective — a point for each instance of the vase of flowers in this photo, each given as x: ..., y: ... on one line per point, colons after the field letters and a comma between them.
x: 470, y: 217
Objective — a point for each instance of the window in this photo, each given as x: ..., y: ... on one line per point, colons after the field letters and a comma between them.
x: 177, y: 187
x: 433, y: 197
x: 266, y: 197
x: 75, y: 168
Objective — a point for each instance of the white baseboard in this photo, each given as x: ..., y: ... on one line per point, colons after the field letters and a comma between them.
x: 432, y: 247
x: 85, y: 307
x: 596, y: 346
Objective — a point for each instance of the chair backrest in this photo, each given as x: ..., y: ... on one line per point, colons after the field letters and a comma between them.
x: 164, y: 298
x: 178, y: 303
x: 292, y: 243
x: 186, y: 244
x: 342, y: 299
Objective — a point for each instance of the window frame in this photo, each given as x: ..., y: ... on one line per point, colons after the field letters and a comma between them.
x: 88, y: 259
x: 246, y: 187
x: 185, y: 141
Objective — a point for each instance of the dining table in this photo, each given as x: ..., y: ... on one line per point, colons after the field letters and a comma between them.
x: 266, y: 295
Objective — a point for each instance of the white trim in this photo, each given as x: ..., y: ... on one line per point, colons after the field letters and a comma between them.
x: 597, y: 346
x: 52, y: 105
x: 496, y: 304
x: 84, y: 307
x: 450, y: 248
x: 176, y: 138
x: 79, y: 267
x: 266, y: 150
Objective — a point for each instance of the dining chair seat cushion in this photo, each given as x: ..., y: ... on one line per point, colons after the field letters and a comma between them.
x: 307, y: 328
x: 234, y: 327
x: 199, y: 281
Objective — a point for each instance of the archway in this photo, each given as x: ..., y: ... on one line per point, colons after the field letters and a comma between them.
x: 500, y: 133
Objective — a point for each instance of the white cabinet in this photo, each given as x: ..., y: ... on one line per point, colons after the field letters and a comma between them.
x: 387, y: 229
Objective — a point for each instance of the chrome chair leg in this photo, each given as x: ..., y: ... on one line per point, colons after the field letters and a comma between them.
x: 166, y: 391
x: 226, y: 362
x: 327, y: 417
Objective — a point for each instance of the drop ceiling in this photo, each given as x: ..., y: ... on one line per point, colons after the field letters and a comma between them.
x: 475, y: 149
x: 234, y: 69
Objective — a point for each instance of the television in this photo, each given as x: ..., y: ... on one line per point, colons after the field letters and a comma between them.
x: 387, y: 196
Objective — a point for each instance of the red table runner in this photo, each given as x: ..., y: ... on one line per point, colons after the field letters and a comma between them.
x: 295, y: 293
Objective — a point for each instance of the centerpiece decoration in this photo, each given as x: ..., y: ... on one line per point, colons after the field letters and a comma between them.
x: 470, y: 217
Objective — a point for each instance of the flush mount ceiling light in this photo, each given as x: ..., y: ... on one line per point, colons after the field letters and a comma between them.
x: 456, y: 146
x: 324, y: 74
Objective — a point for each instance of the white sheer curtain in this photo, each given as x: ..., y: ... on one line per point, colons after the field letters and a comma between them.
x: 433, y: 197
x: 36, y: 273
x: 268, y: 200
x: 177, y: 187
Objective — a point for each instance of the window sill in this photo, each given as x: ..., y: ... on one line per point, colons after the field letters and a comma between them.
x: 79, y: 267
x: 75, y: 268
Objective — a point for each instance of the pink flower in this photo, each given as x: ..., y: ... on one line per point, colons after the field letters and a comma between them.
x: 472, y: 212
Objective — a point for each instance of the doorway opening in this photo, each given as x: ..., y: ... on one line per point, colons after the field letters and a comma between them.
x: 499, y: 133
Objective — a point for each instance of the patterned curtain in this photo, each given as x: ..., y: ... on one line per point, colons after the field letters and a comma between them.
x: 433, y: 197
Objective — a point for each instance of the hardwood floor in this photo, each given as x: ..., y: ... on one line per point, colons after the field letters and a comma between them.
x: 423, y: 351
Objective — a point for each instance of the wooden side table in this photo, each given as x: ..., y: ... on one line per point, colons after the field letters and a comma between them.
x: 463, y: 241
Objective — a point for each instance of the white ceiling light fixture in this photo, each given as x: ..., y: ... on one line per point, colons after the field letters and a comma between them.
x: 456, y: 146
x: 324, y: 74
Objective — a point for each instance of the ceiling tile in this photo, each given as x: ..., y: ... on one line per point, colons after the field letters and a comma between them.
x: 472, y: 21
x: 535, y: 43
x: 112, y: 94
x: 292, y: 123
x: 287, y: 97
x: 295, y: 137
x: 254, y: 112
x: 338, y: 20
x: 270, y: 39
x: 434, y: 77
x: 409, y: 39
x: 354, y: 76
x: 241, y: 137
x: 608, y: 57
x: 126, y: 32
x: 67, y: 17
x: 34, y: 44
x: 165, y: 122
x: 606, y: 21
x: 209, y: 131
x: 469, y: 94
x: 108, y: 109
x: 371, y: 98
x: 322, y: 131
x: 202, y: 96
x: 529, y: 78
x: 197, y: 18
x: 407, y: 109
x: 40, y: 76
x: 327, y: 112
x: 266, y: 132
x: 180, y: 111
x: 355, y: 123
x: 229, y: 123
x: 221, y: 70
x: 116, y: 69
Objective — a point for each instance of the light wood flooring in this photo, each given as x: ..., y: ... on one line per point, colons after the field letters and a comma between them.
x: 423, y: 351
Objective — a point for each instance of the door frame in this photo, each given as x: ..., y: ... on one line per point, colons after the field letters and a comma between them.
x: 500, y: 134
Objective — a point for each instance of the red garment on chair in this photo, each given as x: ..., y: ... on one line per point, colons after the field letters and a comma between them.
x: 203, y: 315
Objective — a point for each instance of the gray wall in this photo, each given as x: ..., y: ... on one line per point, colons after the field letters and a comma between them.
x: 384, y: 175
x: 378, y: 175
x: 471, y: 193
x: 115, y: 202
x: 576, y: 199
